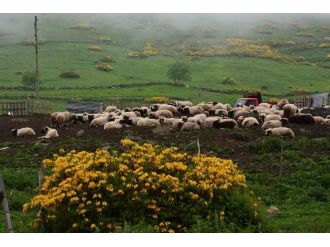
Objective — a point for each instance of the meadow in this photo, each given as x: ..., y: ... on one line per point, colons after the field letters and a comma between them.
x: 267, y: 54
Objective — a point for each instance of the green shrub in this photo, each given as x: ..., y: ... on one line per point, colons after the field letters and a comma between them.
x: 104, y: 67
x: 228, y: 80
x: 69, y: 74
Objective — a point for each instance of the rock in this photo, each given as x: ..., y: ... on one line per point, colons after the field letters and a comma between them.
x: 4, y: 148
x: 273, y: 211
x: 80, y: 132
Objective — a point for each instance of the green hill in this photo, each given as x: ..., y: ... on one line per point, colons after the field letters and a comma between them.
x: 275, y: 53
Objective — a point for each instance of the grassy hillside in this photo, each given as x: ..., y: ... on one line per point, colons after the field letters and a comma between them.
x: 275, y: 54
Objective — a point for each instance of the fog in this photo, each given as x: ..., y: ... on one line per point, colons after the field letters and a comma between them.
x: 22, y: 24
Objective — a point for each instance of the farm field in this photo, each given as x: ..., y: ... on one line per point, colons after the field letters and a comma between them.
x: 278, y: 56
x: 301, y: 193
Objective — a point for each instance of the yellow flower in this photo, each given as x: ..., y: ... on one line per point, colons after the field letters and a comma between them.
x: 74, y: 225
x: 93, y: 226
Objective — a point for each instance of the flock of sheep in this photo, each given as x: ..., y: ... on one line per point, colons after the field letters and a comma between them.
x: 185, y: 116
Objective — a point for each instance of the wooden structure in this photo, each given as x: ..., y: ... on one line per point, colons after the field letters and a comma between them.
x: 5, y: 206
x: 26, y: 107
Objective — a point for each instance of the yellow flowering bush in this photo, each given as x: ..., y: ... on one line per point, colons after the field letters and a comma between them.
x: 157, y: 99
x: 325, y: 45
x: 104, y: 67
x: 167, y: 189
x: 94, y: 48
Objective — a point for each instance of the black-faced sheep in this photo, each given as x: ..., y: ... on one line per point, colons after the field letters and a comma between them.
x: 282, y: 103
x: 272, y: 117
x: 48, y: 132
x: 116, y: 124
x: 161, y: 113
x: 26, y: 131
x: 225, y: 123
x: 158, y: 107
x: 302, y: 118
x: 289, y: 110
x: 280, y: 131
x: 274, y: 123
x: 186, y: 126
x: 147, y: 122
x: 100, y: 121
x: 249, y: 122
x: 192, y: 110
x: 319, y: 120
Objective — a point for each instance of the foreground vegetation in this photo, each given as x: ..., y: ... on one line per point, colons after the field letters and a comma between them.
x: 299, y: 188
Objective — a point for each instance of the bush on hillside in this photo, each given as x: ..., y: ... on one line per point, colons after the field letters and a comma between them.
x: 81, y: 26
x: 104, y: 67
x: 103, y: 191
x: 107, y: 59
x: 69, y: 74
x: 228, y: 80
x: 105, y: 39
x: 325, y: 45
x: 94, y: 48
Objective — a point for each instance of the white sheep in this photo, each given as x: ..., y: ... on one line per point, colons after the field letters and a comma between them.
x: 147, y: 122
x: 166, y: 121
x: 158, y: 107
x: 49, y: 132
x: 272, y: 117
x: 100, y: 121
x: 266, y: 105
x: 159, y: 113
x: 270, y: 124
x: 208, y: 123
x: 183, y: 103
x: 110, y: 108
x: 319, y: 120
x: 113, y: 124
x: 192, y: 110
x: 280, y: 131
x: 190, y: 126
x: 26, y: 131
x: 290, y: 110
x: 249, y: 121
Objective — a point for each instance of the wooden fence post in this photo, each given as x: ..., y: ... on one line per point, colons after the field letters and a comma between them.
x: 4, y: 200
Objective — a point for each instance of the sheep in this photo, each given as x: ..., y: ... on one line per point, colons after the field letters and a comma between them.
x: 327, y: 121
x: 208, y: 123
x: 198, y: 118
x: 158, y: 107
x: 266, y: 105
x: 280, y: 131
x: 178, y: 122
x: 166, y: 121
x: 225, y: 123
x: 319, y: 120
x: 164, y: 113
x: 236, y: 113
x: 81, y: 117
x: 301, y: 118
x: 250, y: 121
x: 147, y: 122
x: 53, y: 118
x: 282, y: 103
x: 272, y: 117
x: 190, y: 126
x: 144, y: 111
x: 49, y: 132
x: 117, y: 124
x: 220, y: 106
x: 183, y: 103
x: 205, y: 106
x: 219, y: 112
x: 110, y: 108
x: 60, y: 119
x: 192, y: 110
x: 289, y: 110
x: 328, y: 117
x: 274, y: 123
x: 26, y: 131
x: 100, y: 121
x: 128, y: 114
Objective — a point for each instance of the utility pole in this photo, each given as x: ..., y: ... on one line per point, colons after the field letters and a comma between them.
x: 37, y: 83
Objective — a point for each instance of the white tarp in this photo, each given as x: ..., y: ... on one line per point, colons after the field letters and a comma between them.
x: 319, y: 99
x: 87, y: 106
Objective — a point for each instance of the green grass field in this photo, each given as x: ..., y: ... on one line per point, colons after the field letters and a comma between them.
x: 66, y: 49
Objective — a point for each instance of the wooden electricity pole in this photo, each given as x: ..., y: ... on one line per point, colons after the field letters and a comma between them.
x: 37, y: 83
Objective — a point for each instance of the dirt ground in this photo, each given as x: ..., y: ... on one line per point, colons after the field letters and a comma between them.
x: 230, y: 141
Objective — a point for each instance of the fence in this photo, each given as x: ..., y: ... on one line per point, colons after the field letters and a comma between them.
x: 27, y: 107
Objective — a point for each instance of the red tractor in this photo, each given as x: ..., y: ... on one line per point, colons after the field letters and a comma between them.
x: 251, y: 99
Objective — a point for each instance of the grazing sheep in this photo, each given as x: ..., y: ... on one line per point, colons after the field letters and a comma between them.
x: 183, y: 103
x: 147, y: 122
x: 274, y: 123
x: 272, y: 117
x: 208, y: 123
x: 158, y: 107
x: 81, y: 117
x: 280, y: 131
x: 290, y: 110
x: 282, y: 103
x: 100, y: 121
x: 60, y: 119
x: 319, y: 120
x: 240, y: 111
x: 225, y: 123
x: 178, y: 122
x: 159, y: 113
x: 206, y: 106
x: 26, y: 131
x: 166, y: 121
x: 266, y: 105
x: 220, y: 106
x: 129, y: 114
x: 53, y: 118
x: 301, y: 118
x: 49, y: 132
x: 144, y: 111
x: 250, y: 121
x: 192, y: 110
x: 110, y: 108
x: 190, y: 126
x: 117, y: 124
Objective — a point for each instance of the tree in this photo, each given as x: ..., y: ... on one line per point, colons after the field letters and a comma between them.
x: 179, y: 72
x: 29, y: 79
